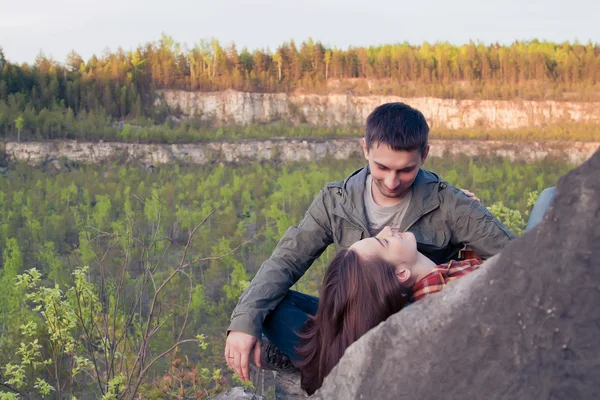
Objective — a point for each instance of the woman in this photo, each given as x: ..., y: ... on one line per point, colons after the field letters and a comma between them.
x: 362, y: 287
x: 357, y: 294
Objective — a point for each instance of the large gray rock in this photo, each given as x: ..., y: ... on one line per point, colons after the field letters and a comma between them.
x: 525, y: 326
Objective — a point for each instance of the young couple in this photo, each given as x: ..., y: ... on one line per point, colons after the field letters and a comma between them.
x: 392, y: 223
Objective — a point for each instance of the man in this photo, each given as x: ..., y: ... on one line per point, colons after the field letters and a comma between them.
x: 392, y: 190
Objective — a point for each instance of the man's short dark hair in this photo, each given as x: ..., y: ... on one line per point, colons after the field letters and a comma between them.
x: 399, y: 126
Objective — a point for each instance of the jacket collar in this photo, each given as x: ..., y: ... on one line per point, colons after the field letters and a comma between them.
x: 352, y: 206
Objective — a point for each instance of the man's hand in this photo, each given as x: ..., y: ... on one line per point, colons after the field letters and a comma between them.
x: 471, y: 195
x: 237, y: 353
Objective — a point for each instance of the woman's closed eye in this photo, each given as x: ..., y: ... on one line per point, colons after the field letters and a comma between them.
x: 381, y: 241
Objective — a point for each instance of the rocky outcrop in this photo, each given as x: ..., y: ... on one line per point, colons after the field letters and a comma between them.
x: 278, y: 150
x: 231, y: 107
x: 524, y: 326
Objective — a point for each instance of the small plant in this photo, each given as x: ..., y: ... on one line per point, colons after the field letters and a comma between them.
x: 106, y: 337
x: 513, y: 218
x: 185, y: 379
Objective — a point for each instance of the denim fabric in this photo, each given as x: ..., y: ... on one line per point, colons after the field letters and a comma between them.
x: 282, y: 325
x: 539, y: 209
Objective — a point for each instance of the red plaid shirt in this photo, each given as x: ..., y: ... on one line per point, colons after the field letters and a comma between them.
x: 441, y: 275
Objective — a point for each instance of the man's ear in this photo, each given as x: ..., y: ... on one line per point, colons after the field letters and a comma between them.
x: 403, y: 275
x: 363, y: 141
x: 425, y: 154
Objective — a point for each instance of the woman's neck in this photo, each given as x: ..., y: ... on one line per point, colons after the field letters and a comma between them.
x: 422, y: 267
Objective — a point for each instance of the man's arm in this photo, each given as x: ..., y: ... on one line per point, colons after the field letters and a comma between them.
x: 296, y: 251
x: 474, y: 225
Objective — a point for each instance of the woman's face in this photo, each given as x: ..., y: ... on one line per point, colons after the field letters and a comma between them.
x: 399, y: 249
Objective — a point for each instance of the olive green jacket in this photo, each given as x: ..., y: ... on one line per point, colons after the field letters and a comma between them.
x: 440, y: 216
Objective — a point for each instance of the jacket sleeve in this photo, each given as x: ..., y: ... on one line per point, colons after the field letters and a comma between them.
x: 299, y: 247
x: 474, y: 225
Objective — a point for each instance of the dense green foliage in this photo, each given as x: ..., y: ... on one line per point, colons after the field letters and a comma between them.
x: 120, y: 81
x: 81, y: 99
x: 126, y: 223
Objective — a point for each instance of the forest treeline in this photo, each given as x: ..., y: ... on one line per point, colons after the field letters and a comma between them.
x: 103, y: 239
x: 56, y: 97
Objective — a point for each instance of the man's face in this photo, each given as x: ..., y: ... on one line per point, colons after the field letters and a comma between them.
x: 393, y: 172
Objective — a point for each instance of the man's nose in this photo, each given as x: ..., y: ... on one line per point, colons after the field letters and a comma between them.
x: 385, y: 232
x: 391, y: 181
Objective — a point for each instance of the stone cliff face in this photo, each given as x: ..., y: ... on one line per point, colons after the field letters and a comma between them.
x: 231, y: 107
x: 277, y: 150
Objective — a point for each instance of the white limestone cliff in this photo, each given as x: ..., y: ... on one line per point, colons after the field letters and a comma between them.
x: 232, y: 107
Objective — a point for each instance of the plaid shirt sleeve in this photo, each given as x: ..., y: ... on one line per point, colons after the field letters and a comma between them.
x: 442, y: 274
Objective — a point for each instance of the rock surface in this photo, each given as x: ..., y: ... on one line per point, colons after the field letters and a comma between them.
x: 238, y: 393
x: 283, y: 151
x: 287, y: 386
x: 231, y: 107
x: 525, y: 326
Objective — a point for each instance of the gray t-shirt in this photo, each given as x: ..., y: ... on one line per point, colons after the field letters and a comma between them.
x: 379, y: 217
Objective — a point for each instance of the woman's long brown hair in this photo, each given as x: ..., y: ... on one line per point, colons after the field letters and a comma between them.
x: 356, y: 296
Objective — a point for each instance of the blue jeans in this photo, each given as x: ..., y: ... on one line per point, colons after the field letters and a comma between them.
x: 539, y: 209
x: 288, y: 318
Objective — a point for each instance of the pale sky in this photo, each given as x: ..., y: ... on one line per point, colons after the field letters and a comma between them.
x: 89, y: 27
